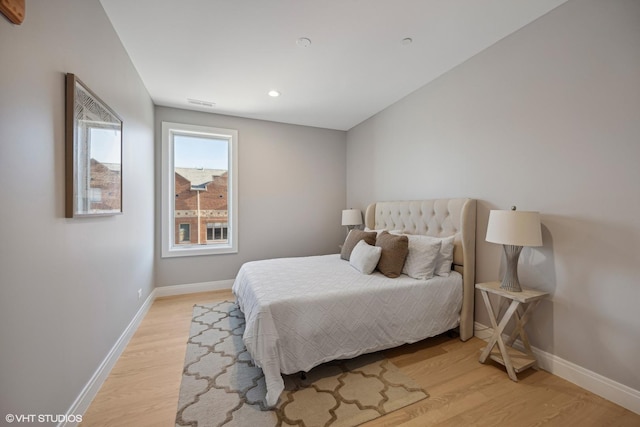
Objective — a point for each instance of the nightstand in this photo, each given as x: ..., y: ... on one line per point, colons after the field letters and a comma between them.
x: 521, y: 305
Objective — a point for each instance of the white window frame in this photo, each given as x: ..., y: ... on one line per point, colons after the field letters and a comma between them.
x: 170, y: 248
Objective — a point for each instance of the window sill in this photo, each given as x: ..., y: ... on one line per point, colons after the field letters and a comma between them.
x: 197, y: 250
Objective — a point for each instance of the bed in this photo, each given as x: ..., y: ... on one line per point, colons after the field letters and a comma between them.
x: 301, y: 312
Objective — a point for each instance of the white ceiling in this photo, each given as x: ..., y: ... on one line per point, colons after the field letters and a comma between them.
x: 232, y: 52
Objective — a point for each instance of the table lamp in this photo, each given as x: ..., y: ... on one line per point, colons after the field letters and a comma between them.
x: 351, y: 218
x: 513, y: 229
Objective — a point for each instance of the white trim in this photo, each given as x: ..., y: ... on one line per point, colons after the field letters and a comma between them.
x: 604, y: 387
x: 92, y: 387
x: 90, y: 390
x: 611, y: 390
x: 165, y: 291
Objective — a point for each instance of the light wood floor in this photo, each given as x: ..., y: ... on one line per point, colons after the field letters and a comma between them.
x: 142, y: 389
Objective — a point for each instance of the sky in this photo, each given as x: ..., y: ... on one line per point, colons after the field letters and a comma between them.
x: 198, y: 152
x: 105, y: 145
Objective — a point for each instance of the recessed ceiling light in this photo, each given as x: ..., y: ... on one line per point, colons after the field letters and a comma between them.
x: 407, y: 41
x: 303, y: 42
x: 274, y: 93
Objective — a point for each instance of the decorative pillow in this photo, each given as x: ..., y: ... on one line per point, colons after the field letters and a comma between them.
x: 365, y: 257
x: 394, y: 253
x: 423, y: 256
x: 445, y: 257
x: 352, y: 240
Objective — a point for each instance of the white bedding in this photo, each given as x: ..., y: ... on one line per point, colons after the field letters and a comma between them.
x: 301, y: 312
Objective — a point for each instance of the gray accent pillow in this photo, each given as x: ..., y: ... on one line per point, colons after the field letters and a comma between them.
x: 394, y: 253
x: 352, y: 240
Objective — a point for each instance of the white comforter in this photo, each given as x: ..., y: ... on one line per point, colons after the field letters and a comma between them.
x: 301, y: 312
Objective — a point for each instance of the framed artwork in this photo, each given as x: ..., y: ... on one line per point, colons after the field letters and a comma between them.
x: 13, y: 10
x: 93, y: 137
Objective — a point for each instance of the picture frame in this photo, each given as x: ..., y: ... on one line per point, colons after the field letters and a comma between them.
x: 13, y: 10
x: 93, y: 153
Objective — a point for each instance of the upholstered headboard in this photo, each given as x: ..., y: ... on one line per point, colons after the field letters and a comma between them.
x: 439, y: 218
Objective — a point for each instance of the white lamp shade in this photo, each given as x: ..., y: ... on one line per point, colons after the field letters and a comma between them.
x: 518, y: 228
x: 351, y: 217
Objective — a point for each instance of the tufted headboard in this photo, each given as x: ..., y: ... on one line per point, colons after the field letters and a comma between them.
x: 439, y: 218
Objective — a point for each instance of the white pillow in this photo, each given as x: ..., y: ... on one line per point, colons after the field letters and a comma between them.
x: 365, y: 257
x: 445, y: 257
x: 422, y: 257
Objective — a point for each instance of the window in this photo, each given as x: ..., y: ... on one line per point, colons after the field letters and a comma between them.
x: 95, y: 195
x: 199, y: 190
x: 184, y: 234
x: 217, y: 231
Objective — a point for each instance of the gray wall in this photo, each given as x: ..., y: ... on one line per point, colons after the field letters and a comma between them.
x: 291, y: 193
x: 68, y: 287
x: 547, y: 119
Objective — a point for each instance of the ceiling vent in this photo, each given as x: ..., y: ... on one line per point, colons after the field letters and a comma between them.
x: 201, y: 103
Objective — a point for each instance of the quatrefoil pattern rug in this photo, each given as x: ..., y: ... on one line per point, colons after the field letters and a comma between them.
x: 222, y: 387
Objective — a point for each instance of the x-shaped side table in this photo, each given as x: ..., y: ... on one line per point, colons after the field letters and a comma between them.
x: 520, y: 308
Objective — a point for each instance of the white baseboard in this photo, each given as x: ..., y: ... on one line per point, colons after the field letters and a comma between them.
x: 604, y: 387
x: 91, y: 389
x: 164, y: 291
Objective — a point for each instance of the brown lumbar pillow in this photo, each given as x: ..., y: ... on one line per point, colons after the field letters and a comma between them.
x: 352, y: 240
x: 394, y: 253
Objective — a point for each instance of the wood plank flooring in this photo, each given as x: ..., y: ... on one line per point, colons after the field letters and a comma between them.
x: 142, y: 389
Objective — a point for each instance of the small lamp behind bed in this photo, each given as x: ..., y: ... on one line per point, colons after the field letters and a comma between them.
x: 513, y: 229
x: 351, y: 218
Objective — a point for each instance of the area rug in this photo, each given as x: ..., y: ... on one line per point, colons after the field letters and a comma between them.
x: 222, y: 387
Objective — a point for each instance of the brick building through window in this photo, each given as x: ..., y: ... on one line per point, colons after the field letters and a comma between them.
x: 104, y: 187
x: 201, y: 212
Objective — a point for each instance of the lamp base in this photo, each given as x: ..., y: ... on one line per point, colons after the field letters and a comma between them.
x: 510, y: 280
